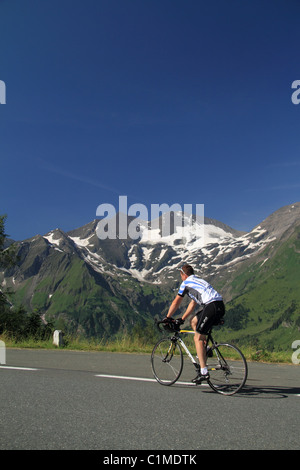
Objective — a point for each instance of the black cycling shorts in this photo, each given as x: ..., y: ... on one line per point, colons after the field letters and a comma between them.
x: 210, y: 316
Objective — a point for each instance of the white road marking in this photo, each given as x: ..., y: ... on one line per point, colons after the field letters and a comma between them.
x: 17, y: 368
x: 123, y: 377
x: 142, y: 379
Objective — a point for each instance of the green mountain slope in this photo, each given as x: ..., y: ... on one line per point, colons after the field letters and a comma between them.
x: 78, y: 299
x: 265, y: 305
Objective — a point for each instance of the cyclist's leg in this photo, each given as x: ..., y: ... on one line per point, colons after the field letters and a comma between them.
x: 202, y: 324
x: 199, y: 342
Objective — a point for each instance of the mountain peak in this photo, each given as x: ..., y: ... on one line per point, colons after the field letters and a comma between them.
x: 280, y: 220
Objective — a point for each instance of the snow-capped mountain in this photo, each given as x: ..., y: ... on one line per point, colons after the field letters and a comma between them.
x: 99, y: 285
x: 154, y: 258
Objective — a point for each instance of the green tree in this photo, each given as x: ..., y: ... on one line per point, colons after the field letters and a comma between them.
x: 7, y: 259
x: 16, y: 321
x: 7, y: 254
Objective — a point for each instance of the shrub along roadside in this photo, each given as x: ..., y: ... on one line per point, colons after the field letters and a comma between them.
x: 20, y: 325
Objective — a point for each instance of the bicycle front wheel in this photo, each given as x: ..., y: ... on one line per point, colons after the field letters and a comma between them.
x: 227, y: 369
x: 167, y: 361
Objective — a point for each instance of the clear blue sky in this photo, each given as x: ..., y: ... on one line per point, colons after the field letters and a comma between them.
x: 165, y: 101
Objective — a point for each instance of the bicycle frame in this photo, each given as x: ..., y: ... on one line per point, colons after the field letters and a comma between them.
x: 177, y: 337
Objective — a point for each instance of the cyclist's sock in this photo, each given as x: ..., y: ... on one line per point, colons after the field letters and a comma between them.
x: 204, y: 370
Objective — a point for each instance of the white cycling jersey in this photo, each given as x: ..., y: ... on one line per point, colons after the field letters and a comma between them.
x: 199, y: 290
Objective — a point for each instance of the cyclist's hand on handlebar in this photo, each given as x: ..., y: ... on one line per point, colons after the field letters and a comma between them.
x: 178, y: 321
x: 167, y: 320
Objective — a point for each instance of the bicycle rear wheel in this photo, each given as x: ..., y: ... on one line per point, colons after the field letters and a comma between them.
x: 227, y: 368
x: 167, y: 361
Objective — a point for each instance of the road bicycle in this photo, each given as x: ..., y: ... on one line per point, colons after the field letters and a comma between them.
x: 226, y: 364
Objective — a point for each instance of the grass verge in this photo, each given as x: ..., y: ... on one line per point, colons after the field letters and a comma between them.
x: 129, y: 344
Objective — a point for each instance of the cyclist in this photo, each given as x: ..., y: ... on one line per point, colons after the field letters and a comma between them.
x: 213, y: 309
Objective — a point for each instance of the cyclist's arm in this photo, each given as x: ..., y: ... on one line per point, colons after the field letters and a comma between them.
x: 189, y: 310
x: 174, y: 306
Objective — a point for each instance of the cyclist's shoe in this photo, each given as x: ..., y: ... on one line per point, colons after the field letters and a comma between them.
x: 200, y: 378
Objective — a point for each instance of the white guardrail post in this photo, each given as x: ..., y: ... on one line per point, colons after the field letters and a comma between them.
x: 2, y: 353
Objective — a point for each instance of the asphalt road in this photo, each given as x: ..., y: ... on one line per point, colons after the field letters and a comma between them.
x: 77, y: 400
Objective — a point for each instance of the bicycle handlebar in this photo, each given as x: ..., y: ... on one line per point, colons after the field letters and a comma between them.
x: 157, y: 324
x: 169, y: 325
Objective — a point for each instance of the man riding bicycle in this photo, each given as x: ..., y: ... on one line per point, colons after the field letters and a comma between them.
x: 213, y: 309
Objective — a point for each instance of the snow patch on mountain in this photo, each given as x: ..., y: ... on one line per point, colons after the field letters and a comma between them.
x: 81, y: 241
x: 145, y: 254
x: 50, y: 238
